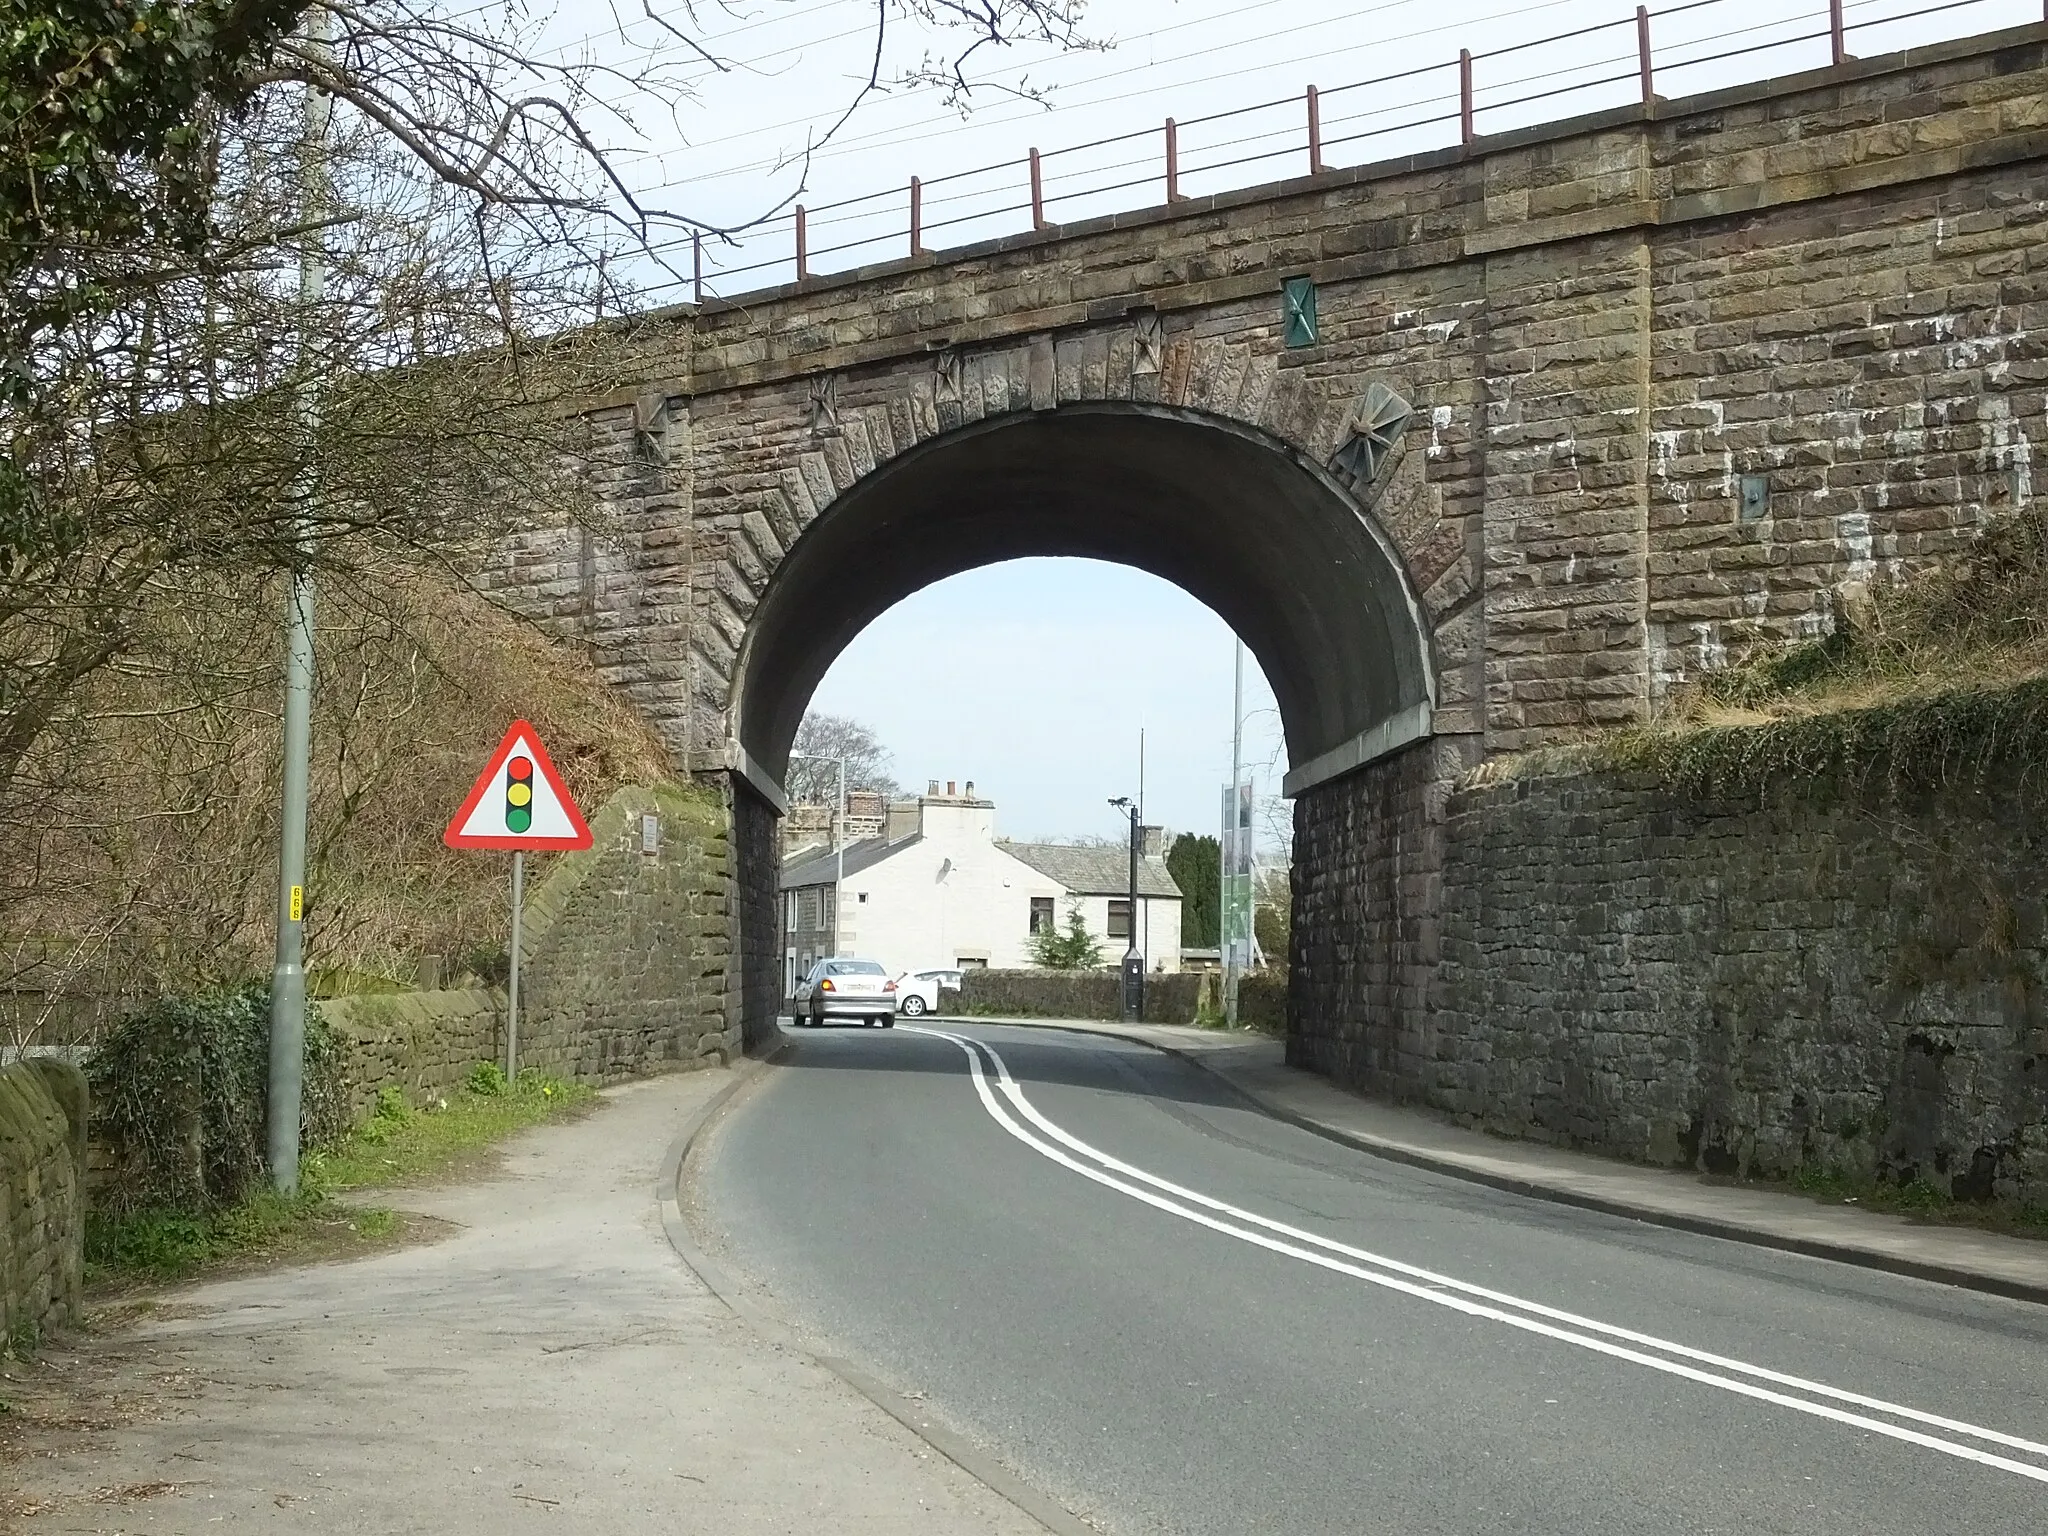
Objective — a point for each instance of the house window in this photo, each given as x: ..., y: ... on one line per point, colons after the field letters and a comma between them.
x: 1120, y: 918
x: 807, y: 908
x: 1041, y: 914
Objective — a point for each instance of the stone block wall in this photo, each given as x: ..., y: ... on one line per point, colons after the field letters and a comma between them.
x: 629, y: 949
x: 42, y: 1196
x: 625, y: 959
x: 756, y: 882
x: 422, y: 1043
x: 1747, y: 987
x: 1364, y: 945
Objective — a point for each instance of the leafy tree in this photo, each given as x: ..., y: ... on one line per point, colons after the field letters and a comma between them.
x: 1071, y: 949
x: 1196, y: 866
x: 1273, y: 912
x: 814, y: 776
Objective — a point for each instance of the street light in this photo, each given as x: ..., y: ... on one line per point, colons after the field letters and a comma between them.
x: 838, y: 835
x: 1134, y: 962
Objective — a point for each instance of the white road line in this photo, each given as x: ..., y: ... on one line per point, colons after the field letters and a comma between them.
x: 1015, y: 1093
x: 1457, y: 1295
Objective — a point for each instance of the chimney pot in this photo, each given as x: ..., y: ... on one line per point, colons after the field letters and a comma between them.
x: 950, y: 791
x: 934, y: 788
x: 970, y: 789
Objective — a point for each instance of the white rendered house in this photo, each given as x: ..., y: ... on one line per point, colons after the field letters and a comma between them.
x: 944, y: 892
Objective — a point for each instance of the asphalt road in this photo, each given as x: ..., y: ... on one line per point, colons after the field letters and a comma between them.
x: 1175, y: 1314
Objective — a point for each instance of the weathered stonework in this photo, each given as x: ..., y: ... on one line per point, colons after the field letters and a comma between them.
x: 626, y: 956
x: 1853, y: 984
x: 42, y: 1196
x: 1831, y: 286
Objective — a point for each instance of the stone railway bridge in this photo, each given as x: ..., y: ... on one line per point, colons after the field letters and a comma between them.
x: 1590, y: 409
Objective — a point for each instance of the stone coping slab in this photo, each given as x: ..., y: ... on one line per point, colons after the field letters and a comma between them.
x: 1254, y: 1066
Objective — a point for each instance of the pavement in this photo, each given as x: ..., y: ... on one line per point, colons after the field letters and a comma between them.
x: 551, y: 1366
x: 1170, y: 1311
x: 1254, y: 1065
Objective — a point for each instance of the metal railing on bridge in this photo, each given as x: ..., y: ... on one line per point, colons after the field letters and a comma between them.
x: 1435, y: 105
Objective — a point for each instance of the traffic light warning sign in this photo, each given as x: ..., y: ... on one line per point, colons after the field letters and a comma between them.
x: 518, y: 801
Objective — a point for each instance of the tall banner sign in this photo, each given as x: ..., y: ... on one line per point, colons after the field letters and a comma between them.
x: 1237, y: 876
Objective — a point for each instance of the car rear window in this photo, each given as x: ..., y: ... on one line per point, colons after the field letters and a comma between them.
x: 853, y: 968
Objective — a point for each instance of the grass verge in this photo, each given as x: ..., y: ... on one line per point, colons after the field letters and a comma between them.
x: 1919, y: 1201
x: 395, y: 1144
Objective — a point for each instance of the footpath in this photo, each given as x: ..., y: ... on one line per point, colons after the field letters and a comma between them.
x: 1254, y: 1065
x: 551, y: 1366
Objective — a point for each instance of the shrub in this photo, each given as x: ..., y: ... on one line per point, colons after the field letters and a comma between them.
x: 486, y: 1079
x: 180, y: 1091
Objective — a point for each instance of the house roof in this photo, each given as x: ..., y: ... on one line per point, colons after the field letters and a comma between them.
x: 815, y: 867
x: 1094, y: 871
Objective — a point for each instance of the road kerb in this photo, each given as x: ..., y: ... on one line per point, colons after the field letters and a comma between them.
x: 977, y: 1464
x: 1538, y: 1189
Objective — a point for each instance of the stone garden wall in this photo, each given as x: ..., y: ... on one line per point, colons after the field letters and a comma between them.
x: 42, y: 1196
x: 1748, y: 985
x: 626, y: 965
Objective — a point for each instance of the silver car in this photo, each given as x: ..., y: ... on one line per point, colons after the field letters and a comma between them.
x: 856, y: 989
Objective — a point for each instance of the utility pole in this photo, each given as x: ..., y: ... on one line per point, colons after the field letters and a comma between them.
x: 839, y: 857
x: 1232, y: 835
x: 1146, y: 947
x: 1134, y: 960
x: 288, y: 977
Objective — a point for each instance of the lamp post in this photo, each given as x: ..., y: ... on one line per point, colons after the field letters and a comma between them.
x: 838, y: 836
x: 1134, y: 961
x: 1233, y: 855
x: 287, y: 1043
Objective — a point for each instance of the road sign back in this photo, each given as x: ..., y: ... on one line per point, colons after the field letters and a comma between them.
x: 518, y: 801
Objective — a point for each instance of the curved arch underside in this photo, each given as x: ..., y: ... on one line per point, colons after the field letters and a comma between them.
x: 1270, y: 542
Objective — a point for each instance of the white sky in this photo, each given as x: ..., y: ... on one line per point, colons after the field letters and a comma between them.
x: 1032, y: 678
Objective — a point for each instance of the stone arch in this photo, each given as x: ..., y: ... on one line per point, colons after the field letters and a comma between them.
x: 1275, y: 544
x: 1123, y: 418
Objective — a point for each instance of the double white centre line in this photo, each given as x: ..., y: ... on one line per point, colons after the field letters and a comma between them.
x: 1898, y: 1422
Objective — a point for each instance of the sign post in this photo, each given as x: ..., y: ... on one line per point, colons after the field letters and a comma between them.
x: 518, y: 803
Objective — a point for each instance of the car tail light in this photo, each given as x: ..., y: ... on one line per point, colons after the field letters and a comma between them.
x: 888, y: 986
x: 826, y: 985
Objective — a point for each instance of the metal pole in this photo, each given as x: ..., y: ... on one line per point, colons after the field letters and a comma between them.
x: 1838, y: 43
x: 916, y: 217
x: 1132, y: 1014
x: 1037, y: 193
x: 1146, y: 947
x: 1315, y: 133
x: 803, y: 246
x: 1465, y: 95
x: 1230, y: 855
x: 1172, y: 162
x: 288, y: 974
x: 697, y: 267
x: 512, y: 982
x: 839, y: 854
x: 1643, y: 59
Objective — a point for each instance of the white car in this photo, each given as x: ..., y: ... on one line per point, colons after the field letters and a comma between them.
x: 917, y: 992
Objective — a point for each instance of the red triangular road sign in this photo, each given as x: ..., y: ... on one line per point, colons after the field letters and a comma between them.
x: 518, y: 801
